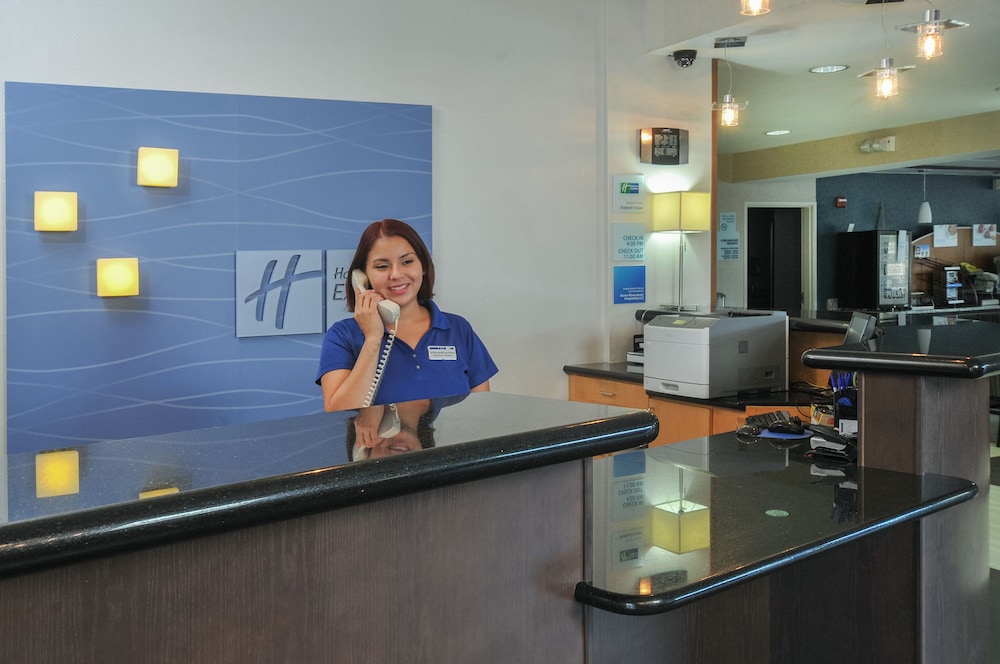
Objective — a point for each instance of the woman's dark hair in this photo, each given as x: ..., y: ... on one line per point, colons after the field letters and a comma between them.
x: 390, y: 228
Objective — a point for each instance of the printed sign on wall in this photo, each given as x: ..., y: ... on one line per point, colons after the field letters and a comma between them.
x: 630, y: 284
x: 629, y: 242
x: 629, y: 194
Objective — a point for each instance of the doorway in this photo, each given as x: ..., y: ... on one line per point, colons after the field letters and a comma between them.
x: 780, y: 257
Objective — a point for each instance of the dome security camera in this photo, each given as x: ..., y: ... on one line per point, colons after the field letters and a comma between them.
x: 684, y: 58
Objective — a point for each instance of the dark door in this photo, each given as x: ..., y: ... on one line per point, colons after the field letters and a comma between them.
x: 774, y: 260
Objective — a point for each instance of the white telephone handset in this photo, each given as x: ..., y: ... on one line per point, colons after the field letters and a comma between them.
x: 389, y: 311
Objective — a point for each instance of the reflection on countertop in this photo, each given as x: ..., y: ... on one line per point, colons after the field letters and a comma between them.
x: 90, y: 499
x: 674, y: 523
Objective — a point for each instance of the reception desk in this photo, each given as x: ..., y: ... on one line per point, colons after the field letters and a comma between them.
x: 277, y: 547
x: 726, y: 549
x: 923, y: 407
x: 476, y: 541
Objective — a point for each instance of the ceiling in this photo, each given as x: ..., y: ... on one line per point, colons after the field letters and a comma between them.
x: 772, y: 71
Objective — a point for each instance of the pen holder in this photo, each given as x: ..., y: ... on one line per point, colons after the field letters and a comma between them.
x: 845, y: 410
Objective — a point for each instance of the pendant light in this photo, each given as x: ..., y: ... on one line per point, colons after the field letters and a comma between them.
x: 754, y: 7
x: 886, y: 80
x: 729, y: 109
x: 924, y: 214
x: 930, y: 38
x: 887, y: 73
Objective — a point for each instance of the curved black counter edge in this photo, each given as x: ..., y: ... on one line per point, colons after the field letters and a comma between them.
x: 646, y: 605
x: 859, y: 358
x: 50, y: 541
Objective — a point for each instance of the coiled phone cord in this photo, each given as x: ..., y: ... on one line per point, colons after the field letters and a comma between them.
x: 380, y: 368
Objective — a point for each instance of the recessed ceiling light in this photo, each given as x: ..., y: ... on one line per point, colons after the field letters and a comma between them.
x: 827, y: 69
x: 777, y: 132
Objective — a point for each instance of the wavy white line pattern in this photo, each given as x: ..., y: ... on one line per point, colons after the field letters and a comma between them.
x: 257, y: 173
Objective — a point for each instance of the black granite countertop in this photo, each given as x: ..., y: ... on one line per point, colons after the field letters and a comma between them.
x: 84, y: 501
x: 749, y: 509
x: 961, y: 349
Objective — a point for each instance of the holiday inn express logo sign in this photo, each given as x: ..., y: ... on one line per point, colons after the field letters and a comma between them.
x: 288, y: 292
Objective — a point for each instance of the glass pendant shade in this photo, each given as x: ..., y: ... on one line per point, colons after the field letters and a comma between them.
x: 930, y: 43
x: 729, y: 112
x: 754, y: 7
x: 930, y: 32
x: 886, y: 80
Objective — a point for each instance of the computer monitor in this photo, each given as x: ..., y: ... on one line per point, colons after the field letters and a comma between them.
x: 861, y: 328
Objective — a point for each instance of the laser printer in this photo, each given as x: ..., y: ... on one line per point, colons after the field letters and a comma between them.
x: 711, y: 355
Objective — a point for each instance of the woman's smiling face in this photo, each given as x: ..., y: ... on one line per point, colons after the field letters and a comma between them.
x: 394, y: 270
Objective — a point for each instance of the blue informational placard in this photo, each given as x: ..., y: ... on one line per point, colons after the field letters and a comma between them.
x: 630, y: 284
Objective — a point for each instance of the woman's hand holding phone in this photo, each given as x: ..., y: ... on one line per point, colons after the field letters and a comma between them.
x: 366, y: 300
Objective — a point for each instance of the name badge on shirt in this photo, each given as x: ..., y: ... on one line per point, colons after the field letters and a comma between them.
x: 441, y: 353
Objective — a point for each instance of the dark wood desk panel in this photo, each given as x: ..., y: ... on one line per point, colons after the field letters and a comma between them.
x: 479, y: 572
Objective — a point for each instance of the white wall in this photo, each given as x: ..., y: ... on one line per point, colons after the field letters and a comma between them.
x: 647, y: 90
x: 536, y: 105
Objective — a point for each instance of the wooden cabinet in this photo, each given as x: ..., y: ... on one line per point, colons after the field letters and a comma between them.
x: 729, y: 419
x: 679, y: 420
x: 607, y: 392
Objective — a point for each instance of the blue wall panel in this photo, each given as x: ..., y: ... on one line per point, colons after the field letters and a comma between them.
x: 256, y: 173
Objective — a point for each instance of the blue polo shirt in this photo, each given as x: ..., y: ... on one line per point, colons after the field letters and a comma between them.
x: 449, y: 360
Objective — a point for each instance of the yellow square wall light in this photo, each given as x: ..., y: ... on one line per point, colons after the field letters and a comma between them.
x: 55, y: 211
x: 157, y: 167
x: 117, y: 277
x: 57, y: 473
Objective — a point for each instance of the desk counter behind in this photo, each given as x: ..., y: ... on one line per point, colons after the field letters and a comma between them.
x: 730, y: 544
x: 923, y: 407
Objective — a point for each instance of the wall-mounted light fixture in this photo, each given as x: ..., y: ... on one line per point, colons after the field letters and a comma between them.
x: 117, y: 277
x: 930, y: 39
x: 57, y: 473
x: 55, y: 211
x: 157, y: 167
x: 880, y: 144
